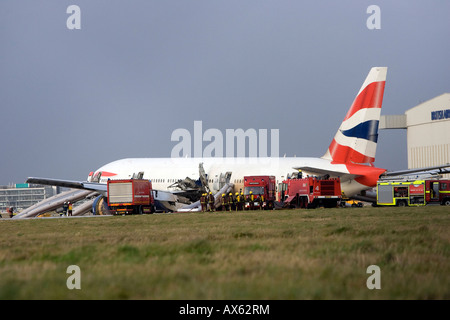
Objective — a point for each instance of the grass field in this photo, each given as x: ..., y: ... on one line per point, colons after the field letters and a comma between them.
x: 289, y: 254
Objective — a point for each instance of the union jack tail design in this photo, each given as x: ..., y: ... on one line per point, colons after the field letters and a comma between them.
x: 356, y: 139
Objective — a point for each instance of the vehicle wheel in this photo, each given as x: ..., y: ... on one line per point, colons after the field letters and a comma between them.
x: 401, y: 203
x: 446, y: 202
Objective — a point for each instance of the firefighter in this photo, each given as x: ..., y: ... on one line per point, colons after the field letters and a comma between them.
x: 247, y: 199
x: 230, y: 202
x: 212, y: 207
x: 237, y: 201
x: 258, y: 200
x: 261, y: 201
x: 251, y: 200
x: 69, y: 210
x: 203, y: 202
x: 65, y: 208
x: 242, y: 201
x: 224, y: 202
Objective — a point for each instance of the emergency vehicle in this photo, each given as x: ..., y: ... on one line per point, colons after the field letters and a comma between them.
x: 413, y: 193
x: 311, y: 192
x: 262, y: 188
x: 130, y: 196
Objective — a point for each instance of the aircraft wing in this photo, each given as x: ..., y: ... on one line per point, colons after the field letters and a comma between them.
x: 321, y: 172
x: 101, y: 187
x: 438, y: 169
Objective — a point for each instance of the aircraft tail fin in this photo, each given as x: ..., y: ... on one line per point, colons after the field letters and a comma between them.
x: 356, y: 139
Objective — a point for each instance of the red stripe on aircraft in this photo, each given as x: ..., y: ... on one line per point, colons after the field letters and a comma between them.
x: 344, y: 154
x: 370, y: 97
x: 108, y: 174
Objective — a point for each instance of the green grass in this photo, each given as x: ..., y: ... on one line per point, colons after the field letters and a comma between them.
x: 289, y: 254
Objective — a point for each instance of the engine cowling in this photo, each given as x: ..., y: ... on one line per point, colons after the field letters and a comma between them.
x: 100, y: 206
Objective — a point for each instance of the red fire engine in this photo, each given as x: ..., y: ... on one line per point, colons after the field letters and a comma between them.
x: 413, y: 193
x: 310, y: 192
x: 259, y: 192
x: 130, y: 196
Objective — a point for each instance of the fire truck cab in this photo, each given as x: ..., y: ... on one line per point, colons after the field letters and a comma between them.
x: 259, y: 192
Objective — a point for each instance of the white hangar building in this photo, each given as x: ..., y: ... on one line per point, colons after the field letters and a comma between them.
x: 428, y: 132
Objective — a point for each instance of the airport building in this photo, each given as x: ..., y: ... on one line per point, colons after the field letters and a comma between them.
x: 23, y: 195
x: 428, y: 132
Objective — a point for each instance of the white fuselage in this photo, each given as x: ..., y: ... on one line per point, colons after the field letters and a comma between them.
x: 163, y: 172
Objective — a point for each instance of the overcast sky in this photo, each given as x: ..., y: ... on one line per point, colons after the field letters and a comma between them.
x: 73, y: 100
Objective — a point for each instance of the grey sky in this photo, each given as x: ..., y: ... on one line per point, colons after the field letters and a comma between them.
x: 73, y: 100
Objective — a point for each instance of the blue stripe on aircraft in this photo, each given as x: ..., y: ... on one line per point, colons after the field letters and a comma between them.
x: 367, y: 130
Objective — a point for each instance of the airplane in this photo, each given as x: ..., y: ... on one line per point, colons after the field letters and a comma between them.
x: 350, y: 156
